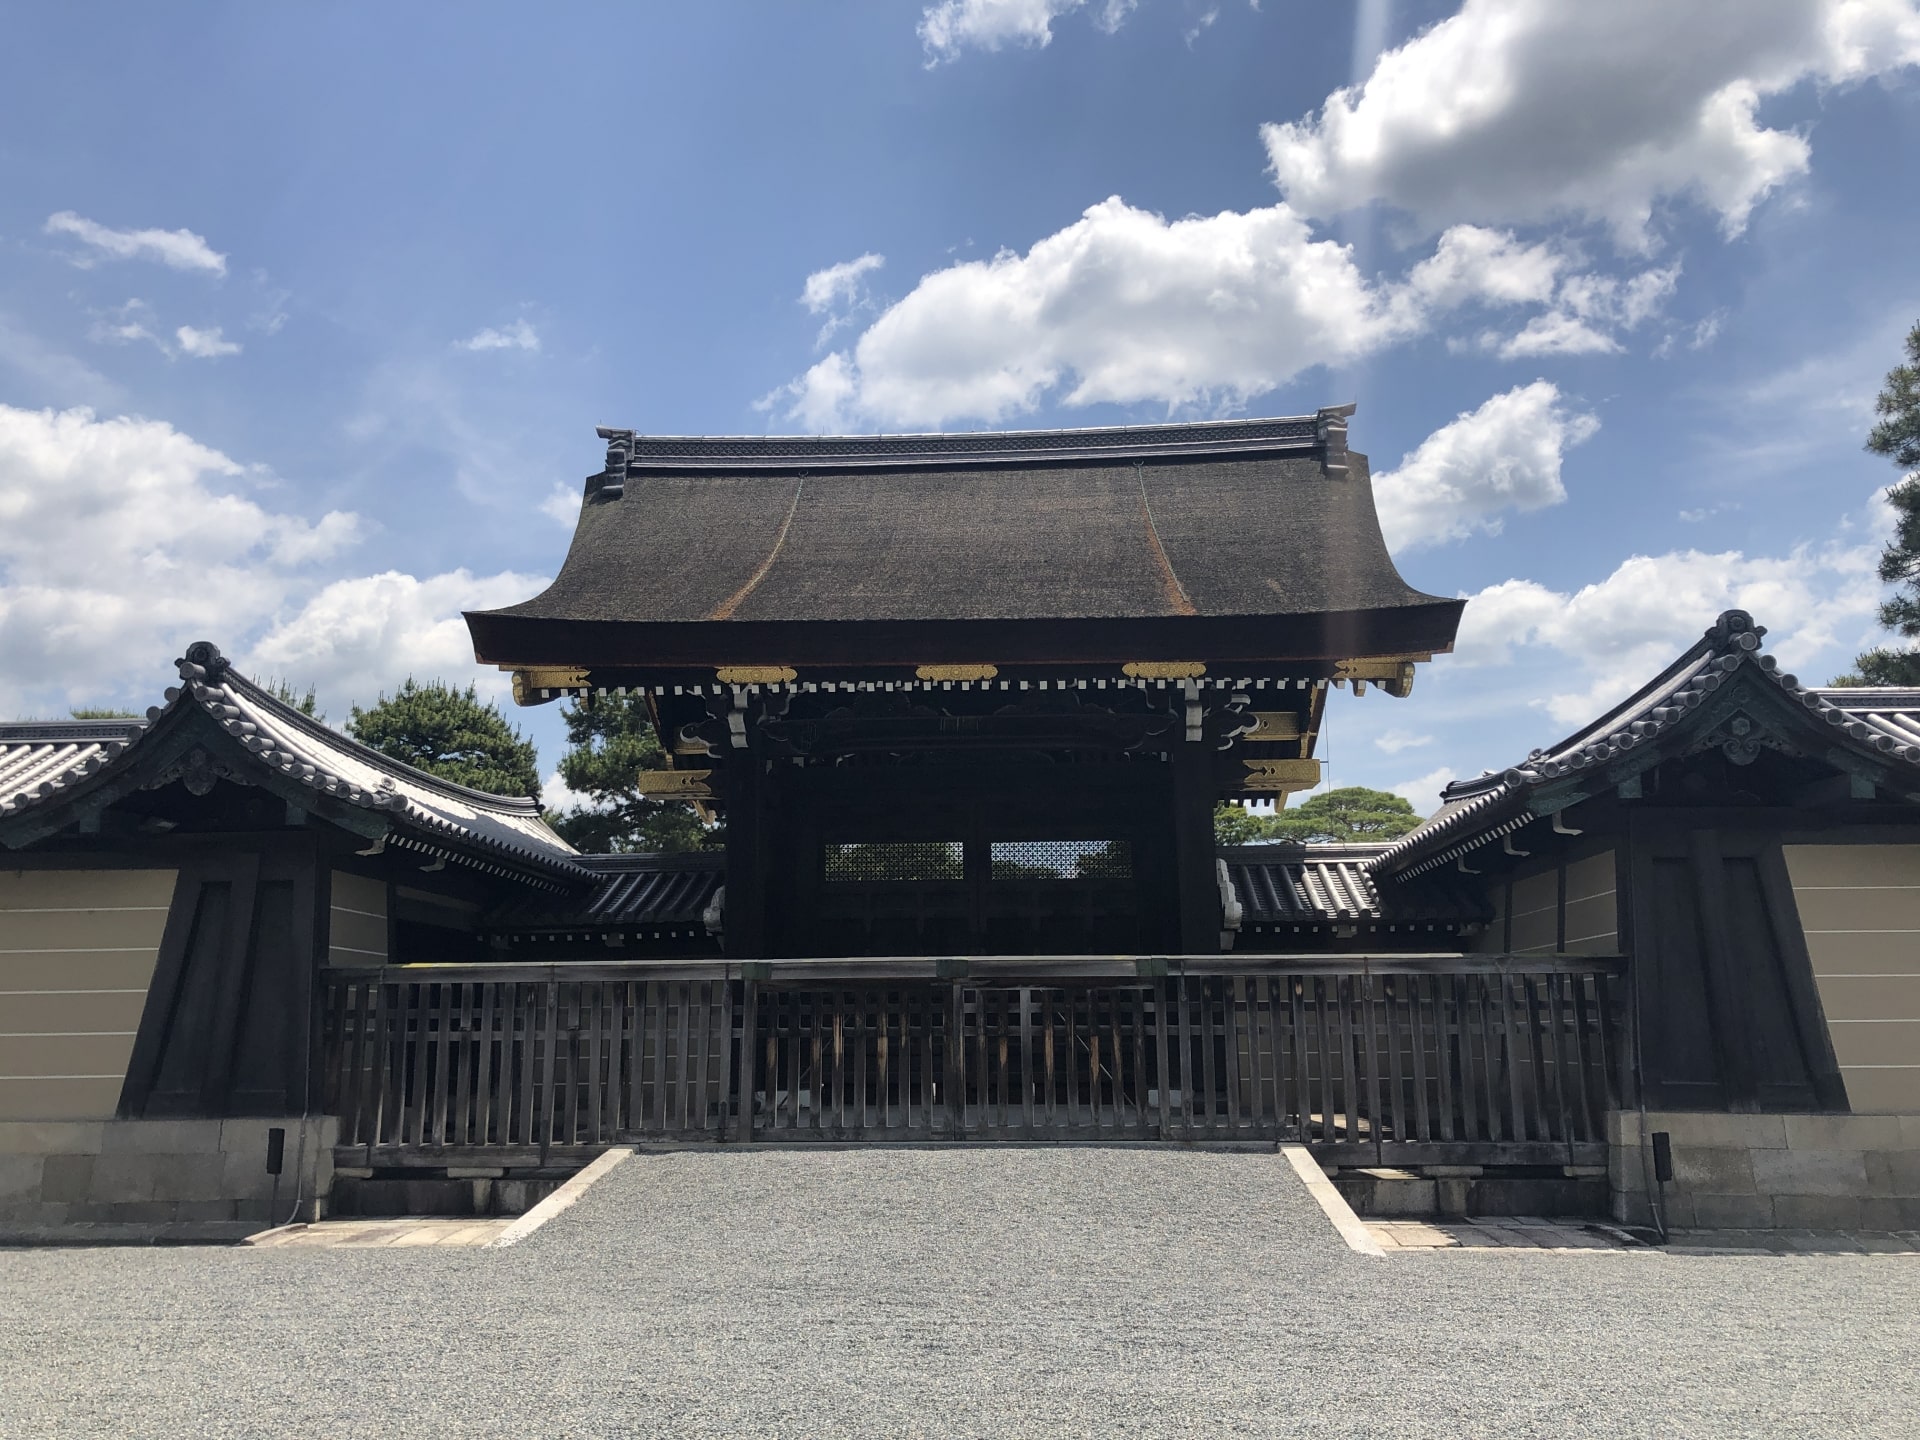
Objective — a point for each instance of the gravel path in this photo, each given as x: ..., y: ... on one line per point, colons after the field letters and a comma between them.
x: 972, y: 1292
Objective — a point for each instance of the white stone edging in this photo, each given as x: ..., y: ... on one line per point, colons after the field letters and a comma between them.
x: 1352, y: 1229
x: 560, y: 1200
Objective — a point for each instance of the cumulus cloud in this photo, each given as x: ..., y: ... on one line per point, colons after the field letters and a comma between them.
x: 517, y: 336
x: 176, y: 249
x: 953, y: 26
x: 355, y: 638
x: 1125, y: 306
x: 121, y: 540
x: 1611, y: 636
x: 1423, y: 791
x: 204, y: 344
x: 562, y: 505
x: 560, y: 798
x: 1529, y: 110
x: 1468, y: 474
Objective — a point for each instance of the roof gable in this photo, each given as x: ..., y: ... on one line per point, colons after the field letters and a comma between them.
x: 1724, y: 692
x: 47, y: 770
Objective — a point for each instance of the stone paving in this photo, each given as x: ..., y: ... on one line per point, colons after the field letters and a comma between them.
x: 407, y: 1230
x: 1532, y: 1232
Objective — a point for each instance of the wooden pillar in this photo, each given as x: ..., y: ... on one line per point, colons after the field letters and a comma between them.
x: 746, y: 909
x: 1193, y: 849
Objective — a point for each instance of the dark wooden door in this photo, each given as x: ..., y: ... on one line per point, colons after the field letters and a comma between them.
x: 1728, y: 1013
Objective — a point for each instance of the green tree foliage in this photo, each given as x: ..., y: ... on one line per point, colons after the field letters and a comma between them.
x: 609, y: 742
x: 450, y: 733
x: 94, y: 712
x: 1351, y: 813
x: 306, y: 702
x: 1897, y: 436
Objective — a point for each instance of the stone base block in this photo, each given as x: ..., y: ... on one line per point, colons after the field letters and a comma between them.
x: 1822, y: 1172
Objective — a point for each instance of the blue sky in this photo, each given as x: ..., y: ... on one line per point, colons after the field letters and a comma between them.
x: 307, y: 315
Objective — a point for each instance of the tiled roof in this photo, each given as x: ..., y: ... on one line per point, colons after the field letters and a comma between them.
x: 631, y: 890
x: 1892, y: 711
x: 1317, y: 884
x: 323, y: 760
x: 629, y: 453
x: 1885, y: 722
x: 39, y: 759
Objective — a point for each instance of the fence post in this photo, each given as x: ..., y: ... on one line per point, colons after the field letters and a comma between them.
x: 749, y: 1030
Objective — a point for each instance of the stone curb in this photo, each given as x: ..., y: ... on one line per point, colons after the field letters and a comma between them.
x: 560, y: 1200
x: 1330, y: 1200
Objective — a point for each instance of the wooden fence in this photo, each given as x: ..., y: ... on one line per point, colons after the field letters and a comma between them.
x: 1392, y: 1059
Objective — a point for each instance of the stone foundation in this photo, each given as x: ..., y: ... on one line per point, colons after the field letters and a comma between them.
x: 158, y: 1173
x: 1457, y: 1191
x: 1821, y: 1172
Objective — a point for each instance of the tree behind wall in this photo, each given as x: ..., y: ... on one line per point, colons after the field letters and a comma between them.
x: 1897, y: 436
x: 450, y: 733
x: 609, y: 742
x: 1350, y: 813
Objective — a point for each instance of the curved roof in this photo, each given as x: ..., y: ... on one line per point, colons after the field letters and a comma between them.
x: 39, y: 758
x: 58, y: 761
x: 1881, y: 724
x: 1265, y: 520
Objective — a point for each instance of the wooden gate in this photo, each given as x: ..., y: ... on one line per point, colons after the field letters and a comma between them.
x: 1386, y: 1059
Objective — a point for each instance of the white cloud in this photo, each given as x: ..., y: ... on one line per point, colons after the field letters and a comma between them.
x: 562, y: 504
x: 204, y: 344
x: 1423, y: 791
x: 176, y: 249
x: 1528, y: 110
x: 122, y: 540
x: 1125, y: 306
x: 1394, y: 741
x: 1621, y: 631
x: 126, y: 324
x: 517, y: 336
x: 356, y: 638
x: 839, y: 291
x: 838, y: 285
x: 953, y: 26
x: 557, y: 796
x: 1466, y: 475
x: 1120, y: 306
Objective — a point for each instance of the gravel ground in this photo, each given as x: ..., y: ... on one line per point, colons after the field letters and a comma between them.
x: 970, y: 1292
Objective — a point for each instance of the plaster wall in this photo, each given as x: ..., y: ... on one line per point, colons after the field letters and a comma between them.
x: 357, y: 916
x: 1860, y: 909
x: 77, y: 955
x: 1827, y: 1172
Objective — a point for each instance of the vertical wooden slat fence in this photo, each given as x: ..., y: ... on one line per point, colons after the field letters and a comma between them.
x: 1440, y: 1060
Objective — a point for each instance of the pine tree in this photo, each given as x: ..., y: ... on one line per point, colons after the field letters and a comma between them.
x: 450, y: 733
x: 1350, y: 813
x: 307, y: 702
x: 609, y: 742
x: 1897, y: 436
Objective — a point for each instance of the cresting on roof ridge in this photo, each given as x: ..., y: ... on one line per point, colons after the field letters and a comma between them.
x: 1733, y: 640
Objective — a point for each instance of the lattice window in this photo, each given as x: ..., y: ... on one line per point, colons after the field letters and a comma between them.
x: 896, y: 860
x: 1062, y: 860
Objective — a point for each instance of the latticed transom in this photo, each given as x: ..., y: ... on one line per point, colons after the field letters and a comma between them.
x: 896, y: 860
x: 1062, y: 860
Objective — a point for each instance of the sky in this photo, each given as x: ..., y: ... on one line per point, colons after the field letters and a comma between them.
x: 308, y: 314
